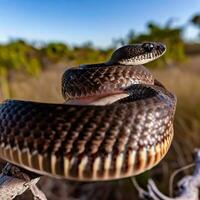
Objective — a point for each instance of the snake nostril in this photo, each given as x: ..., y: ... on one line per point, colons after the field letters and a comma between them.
x: 161, y: 47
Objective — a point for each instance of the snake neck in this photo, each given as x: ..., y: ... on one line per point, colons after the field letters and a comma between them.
x: 96, y: 65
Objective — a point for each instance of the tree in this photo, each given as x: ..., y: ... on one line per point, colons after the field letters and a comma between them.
x: 56, y: 51
x: 171, y: 37
x: 17, y: 55
x: 196, y: 22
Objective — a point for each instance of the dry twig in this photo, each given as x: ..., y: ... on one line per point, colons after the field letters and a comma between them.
x: 188, y: 186
x: 14, y: 181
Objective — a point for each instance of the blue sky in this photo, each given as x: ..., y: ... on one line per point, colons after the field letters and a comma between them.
x: 78, y: 21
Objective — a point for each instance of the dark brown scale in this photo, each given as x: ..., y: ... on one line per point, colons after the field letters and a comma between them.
x: 59, y: 166
x: 112, y: 169
x: 74, y: 168
x: 88, y: 171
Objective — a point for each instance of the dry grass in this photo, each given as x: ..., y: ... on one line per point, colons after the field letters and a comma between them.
x: 45, y: 87
x: 184, y: 81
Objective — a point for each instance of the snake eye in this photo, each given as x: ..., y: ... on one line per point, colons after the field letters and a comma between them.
x: 148, y: 47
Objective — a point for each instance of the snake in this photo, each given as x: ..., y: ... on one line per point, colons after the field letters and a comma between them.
x: 116, y: 121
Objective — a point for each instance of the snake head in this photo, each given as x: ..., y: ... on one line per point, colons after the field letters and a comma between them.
x: 137, y: 54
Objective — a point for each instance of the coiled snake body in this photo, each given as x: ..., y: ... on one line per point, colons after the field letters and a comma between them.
x: 85, y: 140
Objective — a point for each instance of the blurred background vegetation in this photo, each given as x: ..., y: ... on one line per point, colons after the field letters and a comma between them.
x: 31, y: 58
x: 32, y: 71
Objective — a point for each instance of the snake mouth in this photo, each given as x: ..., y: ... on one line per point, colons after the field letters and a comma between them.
x: 99, y: 99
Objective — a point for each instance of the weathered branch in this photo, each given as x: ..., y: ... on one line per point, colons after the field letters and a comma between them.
x: 14, y: 181
x: 188, y: 186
